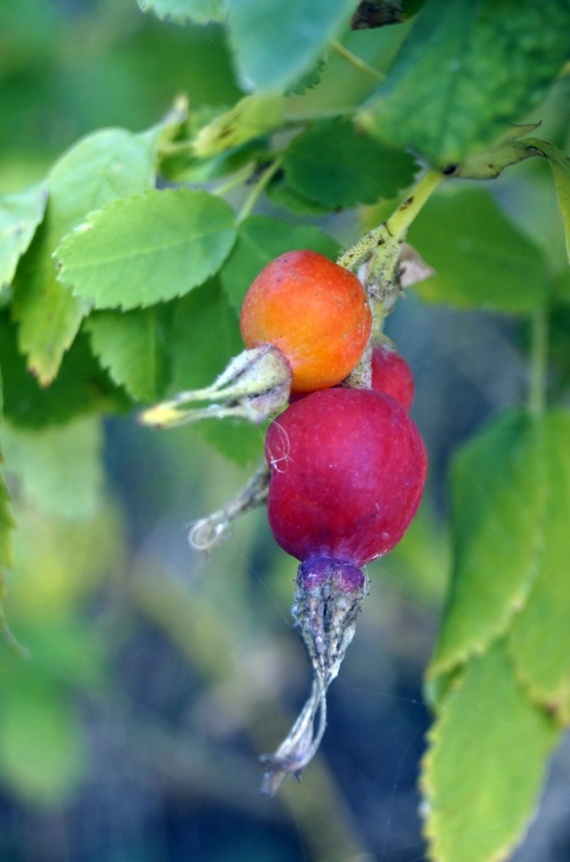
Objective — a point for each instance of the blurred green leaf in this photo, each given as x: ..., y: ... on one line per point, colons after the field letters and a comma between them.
x: 200, y: 11
x: 467, y: 70
x: 6, y: 526
x: 485, y: 764
x: 339, y: 166
x: 20, y: 215
x: 204, y: 338
x: 481, y: 259
x: 147, y: 248
x: 253, y: 116
x: 540, y: 636
x: 260, y: 240
x: 59, y: 468
x: 81, y: 386
x: 560, y: 164
x: 498, y: 497
x: 42, y: 749
x: 102, y: 167
x: 274, y: 44
x: 133, y: 347
x: 60, y: 562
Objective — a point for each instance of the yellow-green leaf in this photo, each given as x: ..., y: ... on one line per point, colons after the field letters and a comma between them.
x: 498, y: 498
x: 485, y: 763
x: 540, y: 636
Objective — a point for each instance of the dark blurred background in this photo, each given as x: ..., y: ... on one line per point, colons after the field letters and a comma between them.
x: 156, y: 676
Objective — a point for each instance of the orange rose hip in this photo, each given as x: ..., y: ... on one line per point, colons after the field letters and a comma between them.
x: 314, y: 311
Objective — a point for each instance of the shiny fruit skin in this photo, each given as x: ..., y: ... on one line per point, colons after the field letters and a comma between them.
x: 392, y: 375
x: 348, y: 469
x: 314, y: 311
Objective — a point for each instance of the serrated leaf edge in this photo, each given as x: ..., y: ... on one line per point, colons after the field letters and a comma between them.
x: 90, y: 222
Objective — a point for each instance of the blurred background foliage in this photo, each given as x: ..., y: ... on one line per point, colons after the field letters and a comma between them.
x: 155, y: 677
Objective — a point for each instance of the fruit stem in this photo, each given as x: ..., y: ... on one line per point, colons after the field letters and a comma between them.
x: 538, y: 362
x: 237, y: 179
x: 356, y: 61
x: 376, y: 256
x: 208, y: 532
x: 258, y: 188
x: 393, y: 231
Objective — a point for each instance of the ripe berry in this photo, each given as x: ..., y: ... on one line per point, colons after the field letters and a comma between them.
x: 392, y: 375
x: 314, y: 311
x: 347, y: 473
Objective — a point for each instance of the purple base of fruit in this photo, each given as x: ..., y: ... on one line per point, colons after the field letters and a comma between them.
x: 345, y: 577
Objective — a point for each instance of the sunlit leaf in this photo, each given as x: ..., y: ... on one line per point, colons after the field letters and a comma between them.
x: 481, y: 259
x: 147, y: 248
x: 467, y: 70
x: 102, y: 167
x: 540, y: 635
x: 20, y: 215
x: 498, y: 498
x: 485, y: 763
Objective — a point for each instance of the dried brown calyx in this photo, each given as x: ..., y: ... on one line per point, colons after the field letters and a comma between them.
x: 328, y: 597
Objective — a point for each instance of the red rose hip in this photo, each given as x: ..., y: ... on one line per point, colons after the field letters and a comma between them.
x: 392, y: 375
x: 348, y: 469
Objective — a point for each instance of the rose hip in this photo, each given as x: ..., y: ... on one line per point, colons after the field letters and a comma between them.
x: 312, y: 310
x: 347, y: 473
x: 348, y: 468
x: 392, y: 375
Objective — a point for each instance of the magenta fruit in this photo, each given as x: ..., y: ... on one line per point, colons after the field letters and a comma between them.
x: 347, y: 474
x: 348, y: 467
x: 392, y: 375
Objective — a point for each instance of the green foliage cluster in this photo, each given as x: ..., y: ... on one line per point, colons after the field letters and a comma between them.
x: 122, y: 272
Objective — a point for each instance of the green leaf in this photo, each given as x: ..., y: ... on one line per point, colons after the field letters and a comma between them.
x: 81, y: 386
x: 481, y: 259
x: 6, y: 526
x: 147, y: 248
x: 199, y: 11
x: 498, y: 498
x: 102, y: 167
x: 205, y: 337
x: 337, y: 165
x: 509, y: 150
x: 274, y: 44
x: 282, y: 195
x: 59, y: 468
x: 20, y: 215
x: 42, y: 750
x: 252, y: 116
x: 540, y: 635
x: 133, y: 347
x: 560, y: 164
x: 485, y: 764
x: 260, y: 240
x: 309, y: 80
x: 467, y: 70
